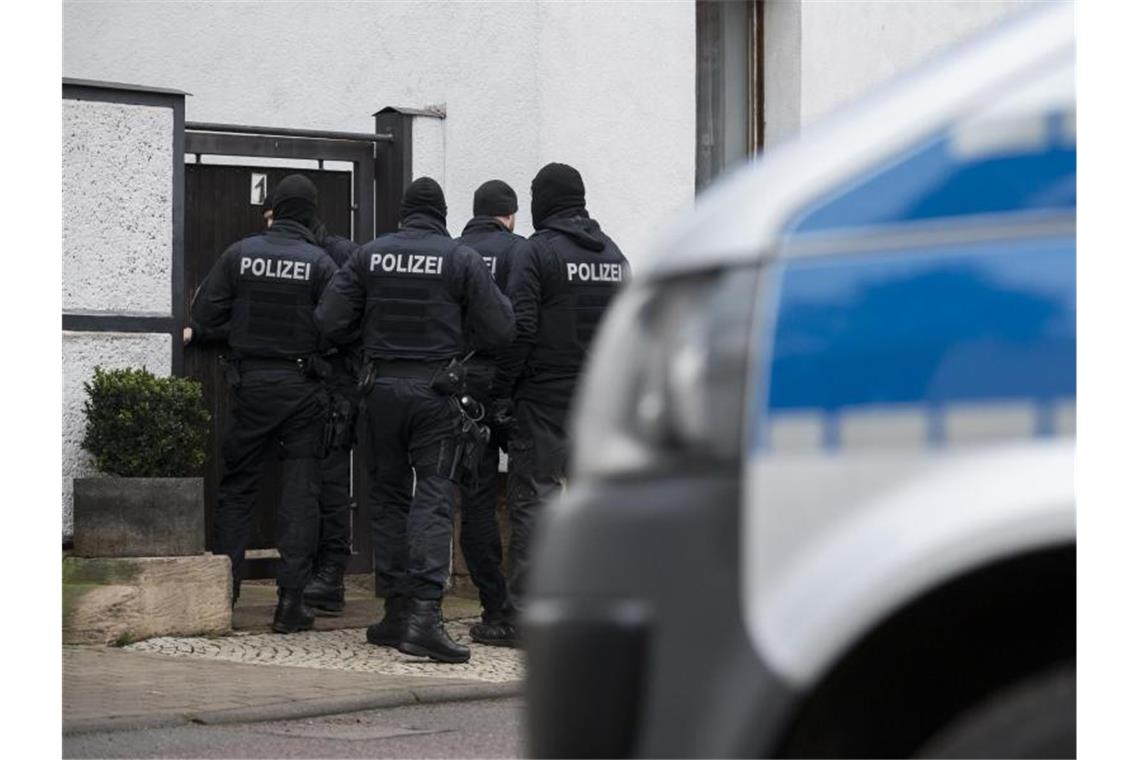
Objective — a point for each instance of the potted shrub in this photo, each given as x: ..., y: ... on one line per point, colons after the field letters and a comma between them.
x: 149, y: 435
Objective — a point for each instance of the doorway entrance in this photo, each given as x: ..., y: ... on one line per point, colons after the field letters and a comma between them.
x: 224, y: 204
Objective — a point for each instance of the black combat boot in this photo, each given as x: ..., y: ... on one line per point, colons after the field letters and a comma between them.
x: 495, y: 632
x: 325, y: 591
x: 291, y: 615
x: 390, y: 629
x: 424, y: 635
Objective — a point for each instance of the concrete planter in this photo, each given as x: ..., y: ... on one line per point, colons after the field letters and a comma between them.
x: 139, y: 517
x: 138, y: 568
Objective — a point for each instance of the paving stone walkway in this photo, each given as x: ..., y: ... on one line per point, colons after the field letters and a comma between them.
x: 252, y: 674
x: 107, y: 689
x: 344, y: 649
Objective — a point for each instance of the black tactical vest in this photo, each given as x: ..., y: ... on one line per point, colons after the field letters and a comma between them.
x: 278, y: 284
x: 576, y: 292
x: 411, y: 312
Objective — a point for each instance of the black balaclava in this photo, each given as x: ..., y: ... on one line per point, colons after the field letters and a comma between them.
x: 424, y: 196
x: 495, y: 198
x: 556, y: 187
x: 295, y: 199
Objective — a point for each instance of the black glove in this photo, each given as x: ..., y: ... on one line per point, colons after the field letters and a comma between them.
x: 503, y: 412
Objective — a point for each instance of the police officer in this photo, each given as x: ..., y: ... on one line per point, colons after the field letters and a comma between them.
x: 266, y: 286
x: 491, y: 233
x: 419, y: 299
x: 325, y: 591
x: 561, y: 282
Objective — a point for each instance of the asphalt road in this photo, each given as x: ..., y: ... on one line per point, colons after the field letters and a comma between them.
x: 489, y: 728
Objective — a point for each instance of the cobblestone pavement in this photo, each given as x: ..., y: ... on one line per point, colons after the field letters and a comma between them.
x: 344, y: 649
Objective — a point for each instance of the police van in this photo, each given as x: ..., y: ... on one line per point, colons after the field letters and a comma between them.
x: 822, y: 497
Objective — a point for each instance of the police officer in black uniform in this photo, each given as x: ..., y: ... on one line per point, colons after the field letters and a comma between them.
x: 491, y: 233
x: 561, y: 282
x: 419, y: 299
x: 325, y: 591
x: 267, y: 286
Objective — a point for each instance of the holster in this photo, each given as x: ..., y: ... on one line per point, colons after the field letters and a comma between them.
x: 317, y: 367
x: 451, y: 380
x: 365, y: 377
x: 469, y: 446
x: 340, y: 425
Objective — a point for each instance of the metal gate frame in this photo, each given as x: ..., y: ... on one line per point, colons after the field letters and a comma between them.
x: 359, y: 148
x: 365, y: 153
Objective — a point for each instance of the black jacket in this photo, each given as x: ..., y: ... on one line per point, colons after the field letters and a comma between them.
x: 266, y: 286
x: 494, y: 243
x: 348, y: 356
x: 339, y: 248
x: 561, y: 283
x: 416, y: 294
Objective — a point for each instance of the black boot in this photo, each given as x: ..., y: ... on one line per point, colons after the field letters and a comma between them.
x: 291, y: 615
x: 495, y: 632
x: 325, y: 591
x: 390, y: 629
x: 424, y: 635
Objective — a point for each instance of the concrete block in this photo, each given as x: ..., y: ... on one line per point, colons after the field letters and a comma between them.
x: 112, y: 600
x: 139, y: 517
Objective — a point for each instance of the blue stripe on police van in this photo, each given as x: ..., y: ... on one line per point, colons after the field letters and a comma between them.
x: 933, y: 181
x: 935, y: 333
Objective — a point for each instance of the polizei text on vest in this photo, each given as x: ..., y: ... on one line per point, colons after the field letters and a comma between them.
x: 279, y: 269
x: 406, y: 263
x: 593, y: 272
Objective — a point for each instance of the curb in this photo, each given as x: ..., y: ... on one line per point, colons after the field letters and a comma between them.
x: 308, y: 708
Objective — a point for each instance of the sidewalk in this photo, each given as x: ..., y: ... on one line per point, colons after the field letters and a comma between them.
x: 254, y: 675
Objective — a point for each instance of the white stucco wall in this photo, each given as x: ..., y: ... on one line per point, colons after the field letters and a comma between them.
x: 824, y: 53
x: 82, y: 351
x: 608, y: 87
x: 617, y: 100
x: 429, y: 157
x: 118, y: 208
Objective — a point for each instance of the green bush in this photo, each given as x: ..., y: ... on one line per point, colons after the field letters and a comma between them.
x: 142, y: 426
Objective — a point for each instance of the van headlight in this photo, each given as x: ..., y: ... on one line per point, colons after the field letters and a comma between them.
x: 664, y: 386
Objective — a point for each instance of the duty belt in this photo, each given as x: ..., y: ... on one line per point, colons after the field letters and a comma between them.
x: 265, y: 362
x: 407, y: 369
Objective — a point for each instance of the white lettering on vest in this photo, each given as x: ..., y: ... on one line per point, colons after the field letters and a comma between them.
x: 278, y: 269
x: 593, y: 272
x: 406, y: 263
x: 491, y: 262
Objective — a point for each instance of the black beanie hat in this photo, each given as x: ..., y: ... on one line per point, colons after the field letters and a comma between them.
x: 295, y: 198
x: 495, y: 198
x: 556, y: 187
x: 424, y: 196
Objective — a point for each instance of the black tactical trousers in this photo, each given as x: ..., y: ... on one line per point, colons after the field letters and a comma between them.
x: 334, y: 544
x: 282, y: 411
x: 479, y: 535
x: 537, y: 471
x: 411, y: 427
